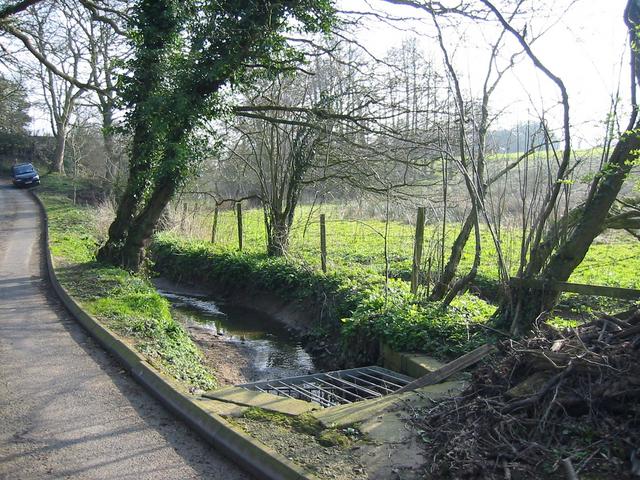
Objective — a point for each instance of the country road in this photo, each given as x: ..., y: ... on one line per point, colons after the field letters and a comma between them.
x: 67, y: 410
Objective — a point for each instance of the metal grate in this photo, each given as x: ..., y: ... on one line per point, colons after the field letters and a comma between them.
x: 335, y: 388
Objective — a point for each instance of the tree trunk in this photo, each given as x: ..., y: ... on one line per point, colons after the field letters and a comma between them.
x: 138, y: 231
x: 440, y: 289
x: 526, y: 305
x: 58, y: 155
x: 130, y: 202
x: 142, y: 228
x: 462, y: 284
x: 278, y: 235
x: 111, y: 167
x: 145, y: 142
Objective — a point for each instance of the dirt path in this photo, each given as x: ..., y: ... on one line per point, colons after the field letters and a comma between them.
x: 67, y: 410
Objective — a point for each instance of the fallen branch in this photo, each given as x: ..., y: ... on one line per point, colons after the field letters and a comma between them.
x: 533, y: 399
x: 449, y: 369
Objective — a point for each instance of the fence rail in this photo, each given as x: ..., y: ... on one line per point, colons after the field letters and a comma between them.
x: 581, y: 288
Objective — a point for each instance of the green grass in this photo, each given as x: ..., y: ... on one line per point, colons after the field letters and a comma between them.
x: 72, y: 237
x: 407, y: 325
x: 355, y: 304
x: 86, y: 190
x: 356, y: 252
x: 350, y: 243
x: 126, y: 303
x: 352, y: 302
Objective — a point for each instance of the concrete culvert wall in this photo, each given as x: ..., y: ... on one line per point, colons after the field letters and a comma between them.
x: 311, y: 313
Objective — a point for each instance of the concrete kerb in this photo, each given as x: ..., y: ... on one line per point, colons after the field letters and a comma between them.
x: 235, y: 444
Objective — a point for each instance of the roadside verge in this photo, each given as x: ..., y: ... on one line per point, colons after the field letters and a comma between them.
x: 255, y: 457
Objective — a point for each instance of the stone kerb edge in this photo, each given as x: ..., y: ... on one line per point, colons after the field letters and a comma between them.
x: 237, y: 445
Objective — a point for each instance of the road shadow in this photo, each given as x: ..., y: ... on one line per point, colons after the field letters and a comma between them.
x: 28, y: 290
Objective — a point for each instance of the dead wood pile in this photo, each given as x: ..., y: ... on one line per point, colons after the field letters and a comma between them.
x: 556, y: 405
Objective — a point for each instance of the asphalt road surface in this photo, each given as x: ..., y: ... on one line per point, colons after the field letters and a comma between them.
x: 67, y: 410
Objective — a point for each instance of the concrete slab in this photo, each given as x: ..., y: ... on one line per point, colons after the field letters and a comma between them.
x: 389, y: 427
x: 395, y: 450
x: 224, y: 409
x: 273, y: 403
x: 419, y: 365
x: 358, y: 412
x: 401, y: 460
x: 413, y: 364
x: 441, y: 390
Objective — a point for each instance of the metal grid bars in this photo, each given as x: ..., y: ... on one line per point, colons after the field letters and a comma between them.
x: 335, y: 388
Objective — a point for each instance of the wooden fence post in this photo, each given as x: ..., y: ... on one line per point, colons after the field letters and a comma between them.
x: 417, y: 250
x: 183, y: 218
x: 214, y: 227
x: 323, y: 243
x: 239, y: 211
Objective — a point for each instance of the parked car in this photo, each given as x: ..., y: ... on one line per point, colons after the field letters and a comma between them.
x: 24, y: 175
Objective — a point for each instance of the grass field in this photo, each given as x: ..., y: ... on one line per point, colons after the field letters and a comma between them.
x: 613, y: 260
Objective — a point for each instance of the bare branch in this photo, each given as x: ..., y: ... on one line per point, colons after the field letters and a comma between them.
x: 18, y: 7
x: 26, y: 41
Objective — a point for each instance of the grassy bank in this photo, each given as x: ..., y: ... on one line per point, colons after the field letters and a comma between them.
x: 356, y: 307
x: 355, y: 240
x: 352, y: 305
x: 127, y: 304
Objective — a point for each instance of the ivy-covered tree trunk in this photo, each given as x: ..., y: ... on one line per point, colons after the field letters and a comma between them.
x: 158, y: 25
x: 278, y: 232
x: 186, y: 52
x: 141, y: 230
x: 132, y: 198
x: 141, y: 227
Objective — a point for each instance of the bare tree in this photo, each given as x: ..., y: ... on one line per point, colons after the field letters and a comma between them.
x: 14, y: 106
x: 554, y: 257
x: 53, y: 33
x: 71, y: 48
x: 107, y: 45
x: 282, y: 151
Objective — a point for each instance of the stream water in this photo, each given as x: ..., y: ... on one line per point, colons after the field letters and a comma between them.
x: 276, y: 353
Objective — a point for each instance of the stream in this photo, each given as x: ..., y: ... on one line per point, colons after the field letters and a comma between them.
x: 272, y: 351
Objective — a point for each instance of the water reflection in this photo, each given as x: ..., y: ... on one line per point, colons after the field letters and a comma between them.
x: 278, y: 353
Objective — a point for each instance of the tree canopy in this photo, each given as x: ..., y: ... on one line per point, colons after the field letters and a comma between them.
x: 14, y: 107
x: 188, y: 57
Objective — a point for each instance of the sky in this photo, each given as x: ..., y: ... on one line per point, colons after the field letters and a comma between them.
x: 584, y: 43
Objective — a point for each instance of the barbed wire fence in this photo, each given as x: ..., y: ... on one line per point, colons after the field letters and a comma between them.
x: 362, y: 239
x: 378, y: 239
x: 370, y: 235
